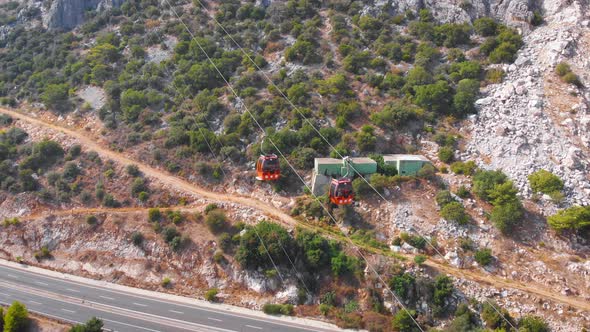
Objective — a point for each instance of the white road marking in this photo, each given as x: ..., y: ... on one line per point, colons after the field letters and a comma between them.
x: 176, y: 312
x: 70, y: 311
x: 138, y: 327
x: 73, y: 290
x: 42, y: 283
x: 254, y: 327
x: 106, y: 297
x: 35, y: 302
x: 140, y: 304
x: 5, y: 294
x: 12, y: 276
x: 215, y: 319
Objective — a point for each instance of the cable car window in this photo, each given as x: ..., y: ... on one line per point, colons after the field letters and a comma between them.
x: 270, y: 164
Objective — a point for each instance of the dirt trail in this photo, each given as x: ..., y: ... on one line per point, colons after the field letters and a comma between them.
x: 158, y: 175
x: 275, y: 213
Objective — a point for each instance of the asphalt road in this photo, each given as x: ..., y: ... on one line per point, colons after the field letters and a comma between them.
x: 75, y: 301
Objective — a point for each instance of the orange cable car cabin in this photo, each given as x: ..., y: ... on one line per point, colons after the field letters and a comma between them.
x: 268, y: 168
x: 341, y: 191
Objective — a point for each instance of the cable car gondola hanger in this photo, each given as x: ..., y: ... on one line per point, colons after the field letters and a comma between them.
x: 341, y: 189
x: 267, y: 166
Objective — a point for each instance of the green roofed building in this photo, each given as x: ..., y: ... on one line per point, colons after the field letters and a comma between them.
x: 327, y: 168
x: 406, y: 164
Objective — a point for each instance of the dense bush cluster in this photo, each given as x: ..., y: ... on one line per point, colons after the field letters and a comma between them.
x: 451, y: 209
x: 316, y: 252
x: 576, y: 218
x: 494, y: 187
x: 545, y: 182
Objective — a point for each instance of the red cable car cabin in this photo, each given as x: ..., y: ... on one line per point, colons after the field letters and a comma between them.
x: 341, y: 191
x: 268, y: 168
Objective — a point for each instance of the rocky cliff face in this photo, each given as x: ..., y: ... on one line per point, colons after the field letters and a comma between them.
x: 67, y: 14
x: 517, y: 13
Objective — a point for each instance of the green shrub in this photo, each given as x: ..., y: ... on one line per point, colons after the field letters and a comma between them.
x: 571, y: 78
x: 278, y: 309
x: 402, y: 285
x: 92, y: 325
x: 466, y: 168
x: 454, y: 211
x: 218, y: 256
x: 11, y: 221
x: 419, y: 259
x: 211, y: 295
x: 495, y: 75
x: 110, y: 201
x: 324, y: 309
x: 55, y: 96
x: 532, y: 324
x: 91, y: 220
x: 360, y: 187
x: 137, y: 238
x: 537, y: 18
x: 434, y: 97
x: 225, y: 241
x: 210, y: 207
x: 463, y: 192
x: 404, y: 321
x: 504, y: 53
x: 427, y: 172
x: 216, y: 221
x: 496, y: 317
x: 466, y: 243
x: 5, y: 120
x: 446, y: 154
x: 506, y: 216
x: 133, y: 170
x: 465, y: 96
x: 485, y: 26
x: 443, y: 198
x: 443, y: 289
x: 166, y: 282
x: 380, y: 182
x: 484, y: 182
x: 71, y: 171
x: 329, y: 298
x: 563, y: 68
x: 545, y: 182
x: 154, y: 215
x: 417, y: 241
x: 483, y: 257
x: 251, y: 254
x: 16, y: 318
x: 342, y: 264
x: 351, y: 306
x: 43, y: 253
x: 573, y: 218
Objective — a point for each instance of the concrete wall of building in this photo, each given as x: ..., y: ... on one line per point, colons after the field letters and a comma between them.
x: 319, y: 183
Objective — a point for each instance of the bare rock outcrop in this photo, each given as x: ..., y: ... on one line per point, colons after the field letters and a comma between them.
x: 67, y: 14
x: 516, y: 13
x: 533, y: 120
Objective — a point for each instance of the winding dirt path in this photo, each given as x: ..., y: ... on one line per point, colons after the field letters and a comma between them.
x: 532, y: 288
x: 156, y: 174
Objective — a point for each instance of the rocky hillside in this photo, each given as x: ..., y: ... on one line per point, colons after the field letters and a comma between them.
x: 491, y: 91
x: 533, y: 120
